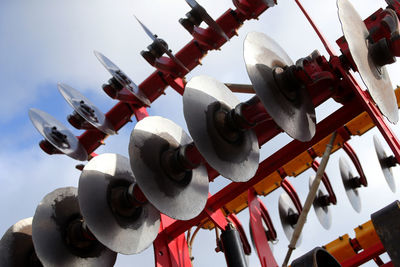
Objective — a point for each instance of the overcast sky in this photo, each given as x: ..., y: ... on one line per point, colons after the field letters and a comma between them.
x: 49, y: 41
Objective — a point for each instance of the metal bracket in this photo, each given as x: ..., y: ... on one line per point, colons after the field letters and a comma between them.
x: 170, y: 253
x: 258, y: 212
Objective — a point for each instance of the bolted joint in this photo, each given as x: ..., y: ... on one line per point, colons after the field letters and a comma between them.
x: 175, y: 164
x: 157, y: 48
x: 287, y: 81
x: 226, y: 124
x: 293, y: 218
x: 390, y: 161
x: 355, y: 182
x: 78, y: 235
x: 323, y: 201
x: 88, y: 111
x: 123, y: 202
x: 380, y: 53
x: 59, y: 138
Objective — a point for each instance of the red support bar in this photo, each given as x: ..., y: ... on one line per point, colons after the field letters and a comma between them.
x: 217, y: 217
x: 260, y: 239
x: 353, y: 156
x: 372, y: 110
x: 364, y: 256
x: 289, y: 189
x: 171, y: 253
x: 326, y: 182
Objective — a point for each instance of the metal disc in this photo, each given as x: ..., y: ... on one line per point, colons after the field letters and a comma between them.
x: 347, y: 175
x: 375, y: 78
x: 207, y: 18
x: 53, y: 215
x: 147, y: 30
x: 179, y: 200
x: 45, y: 124
x: 287, y: 208
x: 120, y: 234
x: 122, y: 78
x: 387, y: 171
x: 236, y: 161
x: 86, y: 109
x: 262, y: 55
x: 323, y: 213
x: 16, y: 246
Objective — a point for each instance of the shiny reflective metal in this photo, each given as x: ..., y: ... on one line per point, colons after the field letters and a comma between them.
x: 375, y: 78
x: 207, y: 18
x: 263, y: 56
x: 122, y: 78
x: 16, y: 246
x: 386, y: 168
x: 237, y: 161
x: 85, y: 108
x: 323, y: 212
x: 57, y: 134
x: 288, y: 214
x: 126, y: 235
x: 182, y: 200
x: 49, y: 227
x: 155, y: 38
x: 347, y: 178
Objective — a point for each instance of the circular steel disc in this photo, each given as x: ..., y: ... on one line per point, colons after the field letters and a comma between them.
x: 122, y: 78
x: 387, y: 171
x: 235, y: 161
x: 97, y: 118
x: 323, y: 213
x: 52, y: 216
x: 150, y: 138
x: 287, y: 208
x: 375, y: 78
x: 16, y: 246
x: 44, y: 123
x: 127, y: 236
x: 262, y: 55
x: 352, y: 194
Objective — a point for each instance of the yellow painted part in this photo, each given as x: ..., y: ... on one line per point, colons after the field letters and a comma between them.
x: 238, y: 204
x: 341, y: 248
x: 299, y: 164
x: 319, y: 148
x: 366, y: 235
x: 397, y: 93
x: 360, y: 124
x: 268, y: 184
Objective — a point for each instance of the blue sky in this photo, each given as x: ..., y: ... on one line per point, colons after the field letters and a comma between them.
x: 45, y: 42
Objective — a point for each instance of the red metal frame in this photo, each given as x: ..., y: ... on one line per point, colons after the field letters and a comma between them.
x: 171, y: 253
x: 171, y: 241
x: 289, y: 189
x: 326, y: 182
x: 364, y: 256
x: 256, y: 212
